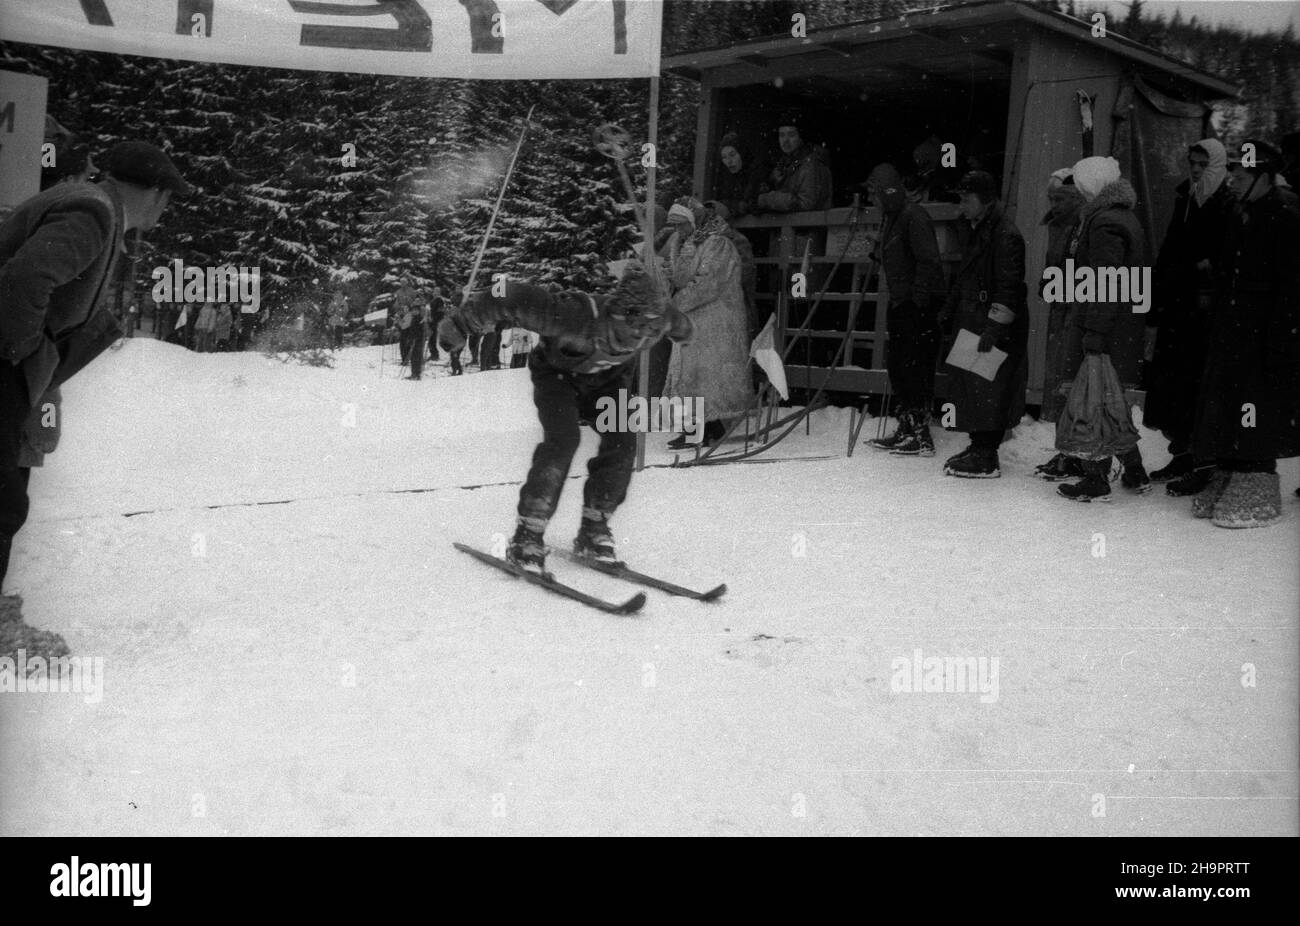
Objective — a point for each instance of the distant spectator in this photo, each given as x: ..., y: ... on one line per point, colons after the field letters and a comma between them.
x: 404, y: 309
x: 204, y: 327
x: 741, y: 178
x: 419, y: 334
x: 221, y: 327
x: 521, y: 345
x: 437, y: 309
x: 337, y: 318
x: 801, y: 179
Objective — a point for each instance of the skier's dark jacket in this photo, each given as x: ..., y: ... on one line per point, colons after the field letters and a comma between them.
x: 576, y: 330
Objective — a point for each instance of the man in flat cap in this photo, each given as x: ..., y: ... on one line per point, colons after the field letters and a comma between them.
x: 58, y: 251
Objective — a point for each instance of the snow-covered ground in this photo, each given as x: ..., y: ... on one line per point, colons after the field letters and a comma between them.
x: 330, y: 665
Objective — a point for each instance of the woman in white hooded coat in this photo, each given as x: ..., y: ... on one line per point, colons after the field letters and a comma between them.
x: 706, y: 280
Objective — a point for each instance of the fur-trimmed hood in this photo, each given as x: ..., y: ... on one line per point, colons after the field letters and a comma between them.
x: 1118, y: 194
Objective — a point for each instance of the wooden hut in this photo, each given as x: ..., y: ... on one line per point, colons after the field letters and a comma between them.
x: 1016, y: 89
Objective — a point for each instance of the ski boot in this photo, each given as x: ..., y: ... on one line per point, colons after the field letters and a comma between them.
x: 1093, y: 487
x: 1134, y: 475
x: 527, y: 548
x: 1189, y: 483
x: 594, y: 540
x: 976, y: 463
x: 1059, y: 467
x: 1178, y: 466
x: 899, y: 437
x: 917, y: 442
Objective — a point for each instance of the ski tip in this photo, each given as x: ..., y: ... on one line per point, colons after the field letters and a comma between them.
x: 633, y: 604
x: 714, y: 594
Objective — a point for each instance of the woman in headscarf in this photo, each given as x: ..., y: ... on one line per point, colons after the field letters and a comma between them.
x: 1186, y: 273
x: 1248, y: 403
x: 706, y: 281
x: 739, y: 181
x: 1109, y: 236
x: 1064, y: 201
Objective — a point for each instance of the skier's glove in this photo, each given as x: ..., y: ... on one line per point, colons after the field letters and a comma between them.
x: 990, y: 336
x: 452, y: 333
x: 1094, y: 343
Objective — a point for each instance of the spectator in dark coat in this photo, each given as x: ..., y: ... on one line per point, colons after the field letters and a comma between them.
x: 419, y: 334
x: 1248, y: 403
x: 1109, y: 236
x: 58, y: 251
x: 1062, y: 220
x: 741, y: 178
x: 801, y: 179
x: 908, y: 252
x: 1186, y: 273
x: 437, y: 309
x: 988, y: 298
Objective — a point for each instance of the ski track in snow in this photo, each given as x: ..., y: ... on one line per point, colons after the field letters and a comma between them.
x: 330, y: 665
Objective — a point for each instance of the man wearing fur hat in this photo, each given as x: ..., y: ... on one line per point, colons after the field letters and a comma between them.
x: 1248, y: 402
x: 587, y: 352
x: 1109, y: 236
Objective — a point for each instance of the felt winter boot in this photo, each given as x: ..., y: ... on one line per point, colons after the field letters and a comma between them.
x: 16, y: 635
x: 900, y: 435
x: 1204, y: 501
x: 594, y: 540
x: 1250, y: 500
x: 527, y: 548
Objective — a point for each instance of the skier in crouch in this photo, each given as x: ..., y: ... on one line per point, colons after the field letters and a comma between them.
x: 588, y: 348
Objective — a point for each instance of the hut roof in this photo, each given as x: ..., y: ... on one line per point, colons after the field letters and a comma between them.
x: 958, y: 40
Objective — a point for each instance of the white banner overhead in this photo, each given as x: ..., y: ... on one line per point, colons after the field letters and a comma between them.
x: 478, y: 39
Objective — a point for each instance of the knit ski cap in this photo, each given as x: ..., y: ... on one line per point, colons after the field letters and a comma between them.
x: 636, y: 295
x: 1062, y: 176
x: 1092, y: 175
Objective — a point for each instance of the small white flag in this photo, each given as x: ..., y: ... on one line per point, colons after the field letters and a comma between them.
x: 763, y: 350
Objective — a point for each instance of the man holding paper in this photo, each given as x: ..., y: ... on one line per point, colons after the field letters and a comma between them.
x: 986, y: 367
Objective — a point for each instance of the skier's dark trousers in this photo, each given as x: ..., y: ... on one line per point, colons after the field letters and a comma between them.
x: 587, y: 352
x: 565, y: 401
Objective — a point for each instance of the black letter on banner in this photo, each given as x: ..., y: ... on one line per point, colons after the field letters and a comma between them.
x: 185, y: 10
x: 559, y: 7
x: 414, y: 30
x: 96, y: 12
x: 481, y: 39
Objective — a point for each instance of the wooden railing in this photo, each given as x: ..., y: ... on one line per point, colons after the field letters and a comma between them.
x: 787, y: 244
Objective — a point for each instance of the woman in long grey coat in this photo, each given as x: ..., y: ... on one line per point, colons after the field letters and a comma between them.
x: 706, y: 280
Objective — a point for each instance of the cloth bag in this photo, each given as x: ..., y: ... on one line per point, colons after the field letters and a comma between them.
x: 1096, y: 422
